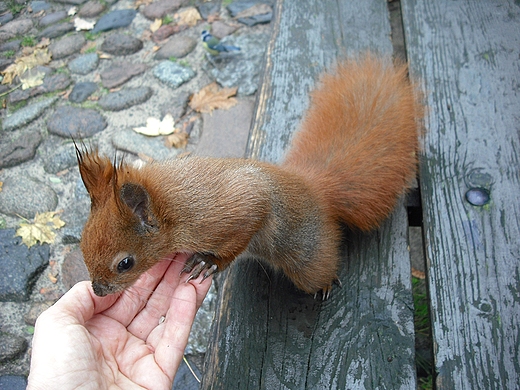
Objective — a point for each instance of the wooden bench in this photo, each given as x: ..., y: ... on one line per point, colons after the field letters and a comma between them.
x: 267, y: 335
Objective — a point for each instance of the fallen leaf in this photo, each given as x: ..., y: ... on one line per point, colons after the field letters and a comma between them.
x: 418, y: 274
x: 138, y: 3
x: 22, y: 64
x: 41, y: 230
x: 105, y: 56
x: 189, y: 16
x: 155, y: 127
x: 257, y: 9
x: 83, y: 25
x: 155, y: 25
x: 1, y: 184
x: 210, y: 98
x: 177, y: 140
x: 31, y: 79
x: 72, y: 11
x: 52, y: 278
x: 43, y: 43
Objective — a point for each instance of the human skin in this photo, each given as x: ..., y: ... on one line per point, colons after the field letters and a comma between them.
x: 132, y: 340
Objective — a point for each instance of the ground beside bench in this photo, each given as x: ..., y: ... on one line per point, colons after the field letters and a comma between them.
x: 267, y: 335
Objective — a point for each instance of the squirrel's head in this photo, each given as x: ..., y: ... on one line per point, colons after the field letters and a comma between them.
x: 121, y: 225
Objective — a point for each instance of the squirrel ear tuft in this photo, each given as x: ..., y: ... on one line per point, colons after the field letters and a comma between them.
x: 96, y: 172
x: 138, y: 200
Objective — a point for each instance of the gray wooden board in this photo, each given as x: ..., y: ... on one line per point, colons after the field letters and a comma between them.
x: 267, y: 335
x: 468, y: 54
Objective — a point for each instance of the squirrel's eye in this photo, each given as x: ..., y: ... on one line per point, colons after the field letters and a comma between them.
x: 126, y: 264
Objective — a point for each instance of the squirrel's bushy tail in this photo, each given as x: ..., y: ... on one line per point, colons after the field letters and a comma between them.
x: 358, y: 143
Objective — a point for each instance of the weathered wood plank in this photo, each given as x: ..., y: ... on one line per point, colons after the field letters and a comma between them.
x: 467, y: 53
x: 267, y: 335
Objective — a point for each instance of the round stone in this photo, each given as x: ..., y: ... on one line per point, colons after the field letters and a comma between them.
x: 121, y: 45
x: 26, y: 196
x: 84, y: 64
x: 125, y: 98
x: 75, y: 122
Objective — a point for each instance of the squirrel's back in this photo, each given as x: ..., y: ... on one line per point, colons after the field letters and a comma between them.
x: 358, y: 141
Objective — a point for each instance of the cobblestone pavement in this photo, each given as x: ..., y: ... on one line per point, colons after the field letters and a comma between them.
x: 97, y: 85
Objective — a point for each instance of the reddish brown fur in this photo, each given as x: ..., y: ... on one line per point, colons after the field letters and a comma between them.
x: 352, y: 159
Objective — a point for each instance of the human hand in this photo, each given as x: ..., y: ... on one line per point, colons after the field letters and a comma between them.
x: 120, y: 340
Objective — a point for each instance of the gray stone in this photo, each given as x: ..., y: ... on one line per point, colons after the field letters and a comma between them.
x: 56, y: 30
x: 82, y: 91
x: 66, y: 46
x: 26, y: 196
x: 73, y: 269
x: 19, y: 266
x: 51, y: 83
x: 62, y: 157
x: 256, y: 19
x: 75, y: 217
x: 11, y: 347
x: 243, y: 70
x: 27, y: 114
x: 11, y: 45
x: 209, y: 8
x: 34, y: 312
x: 84, y: 63
x: 114, y: 19
x: 220, y: 29
x: 132, y: 142
x: 14, y: 28
x: 238, y: 6
x: 52, y: 18
x: 125, y: 98
x: 177, y: 47
x: 5, y: 62
x: 225, y: 132
x: 13, y: 382
x: 38, y: 6
x: 18, y: 147
x: 172, y: 74
x: 74, y: 2
x: 121, y: 45
x: 75, y: 122
x: 91, y: 9
x: 120, y: 72
x: 158, y: 9
x: 6, y: 18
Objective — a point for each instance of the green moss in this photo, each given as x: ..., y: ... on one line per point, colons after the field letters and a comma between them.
x: 28, y: 41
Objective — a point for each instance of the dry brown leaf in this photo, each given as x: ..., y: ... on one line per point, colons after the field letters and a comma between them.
x: 43, y: 43
x: 41, y: 230
x: 189, y: 16
x: 210, y: 98
x: 83, y: 25
x: 418, y: 274
x: 257, y: 9
x: 177, y: 140
x: 138, y: 3
x: 22, y: 64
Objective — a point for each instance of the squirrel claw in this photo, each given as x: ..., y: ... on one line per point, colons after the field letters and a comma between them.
x: 198, y: 263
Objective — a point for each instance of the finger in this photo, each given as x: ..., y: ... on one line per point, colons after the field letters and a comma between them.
x: 132, y: 300
x: 170, y: 338
x: 158, y: 304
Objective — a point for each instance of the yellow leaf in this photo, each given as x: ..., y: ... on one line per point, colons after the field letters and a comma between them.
x: 210, y: 98
x: 22, y: 64
x: 31, y: 79
x: 155, y: 127
x: 189, y: 16
x: 155, y: 25
x: 41, y: 230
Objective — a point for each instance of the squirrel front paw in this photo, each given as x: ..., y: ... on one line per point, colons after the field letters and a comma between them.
x: 198, y: 263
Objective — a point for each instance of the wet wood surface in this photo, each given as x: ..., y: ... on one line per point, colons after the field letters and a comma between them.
x: 268, y: 335
x: 467, y: 54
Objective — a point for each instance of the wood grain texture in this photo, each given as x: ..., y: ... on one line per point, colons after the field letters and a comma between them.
x: 467, y: 53
x: 268, y: 335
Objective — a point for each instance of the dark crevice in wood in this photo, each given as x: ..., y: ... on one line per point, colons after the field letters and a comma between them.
x: 397, y: 31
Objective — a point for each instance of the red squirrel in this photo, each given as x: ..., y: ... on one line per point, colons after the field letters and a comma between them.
x: 352, y: 159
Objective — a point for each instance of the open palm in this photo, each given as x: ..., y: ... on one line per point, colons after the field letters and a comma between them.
x: 132, y: 340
